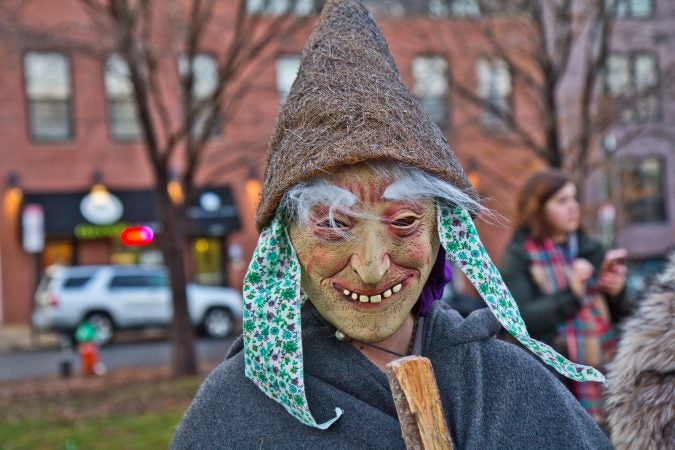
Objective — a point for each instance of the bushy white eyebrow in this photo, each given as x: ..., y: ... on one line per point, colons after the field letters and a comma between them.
x: 298, y: 201
x: 419, y: 184
x: 409, y: 183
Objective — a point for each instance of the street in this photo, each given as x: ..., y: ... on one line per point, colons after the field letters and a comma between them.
x: 42, y: 363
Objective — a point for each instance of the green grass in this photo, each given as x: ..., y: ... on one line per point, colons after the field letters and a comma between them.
x: 120, y: 414
x: 149, y: 430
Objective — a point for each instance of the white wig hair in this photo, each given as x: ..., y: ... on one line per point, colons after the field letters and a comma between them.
x: 408, y: 183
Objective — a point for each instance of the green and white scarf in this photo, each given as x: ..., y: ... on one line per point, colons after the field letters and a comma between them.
x: 273, y: 299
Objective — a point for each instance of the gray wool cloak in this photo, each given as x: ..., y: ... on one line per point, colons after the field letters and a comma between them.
x: 494, y: 395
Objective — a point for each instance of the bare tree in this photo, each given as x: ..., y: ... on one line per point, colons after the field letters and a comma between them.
x: 148, y: 36
x: 555, y: 52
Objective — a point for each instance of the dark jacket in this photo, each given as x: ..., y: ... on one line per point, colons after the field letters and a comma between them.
x: 494, y: 396
x: 541, y: 312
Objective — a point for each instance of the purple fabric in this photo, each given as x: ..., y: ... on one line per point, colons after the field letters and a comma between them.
x: 441, y: 274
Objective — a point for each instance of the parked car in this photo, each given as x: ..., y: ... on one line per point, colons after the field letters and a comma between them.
x: 125, y: 297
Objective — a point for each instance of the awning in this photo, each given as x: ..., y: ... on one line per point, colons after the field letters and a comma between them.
x: 211, y: 211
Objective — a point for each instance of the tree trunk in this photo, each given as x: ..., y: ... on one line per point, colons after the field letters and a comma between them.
x: 183, y: 358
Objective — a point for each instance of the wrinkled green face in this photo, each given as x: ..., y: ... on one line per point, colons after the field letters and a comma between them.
x: 366, y: 276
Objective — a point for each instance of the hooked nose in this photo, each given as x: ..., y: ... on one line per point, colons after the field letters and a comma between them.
x: 370, y: 261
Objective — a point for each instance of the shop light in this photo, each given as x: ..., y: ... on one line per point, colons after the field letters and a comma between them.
x: 137, y: 236
x: 473, y: 174
x: 253, y: 187
x: 175, y: 189
x: 13, y: 195
x: 99, y: 193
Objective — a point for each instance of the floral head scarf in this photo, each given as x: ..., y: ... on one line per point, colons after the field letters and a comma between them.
x: 273, y: 299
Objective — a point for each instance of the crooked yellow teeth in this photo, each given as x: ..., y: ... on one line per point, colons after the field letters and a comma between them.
x: 372, y: 298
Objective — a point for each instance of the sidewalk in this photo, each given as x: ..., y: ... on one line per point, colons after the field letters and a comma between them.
x: 20, y: 338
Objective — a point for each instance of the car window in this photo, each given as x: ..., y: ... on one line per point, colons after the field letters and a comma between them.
x: 76, y: 282
x: 45, y: 282
x: 136, y: 281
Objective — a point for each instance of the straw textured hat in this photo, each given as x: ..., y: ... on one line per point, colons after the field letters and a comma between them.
x: 348, y: 105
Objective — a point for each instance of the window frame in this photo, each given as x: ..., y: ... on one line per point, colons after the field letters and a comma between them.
x: 265, y: 8
x: 70, y: 102
x: 216, y: 131
x: 109, y: 116
x: 276, y: 74
x: 445, y: 99
x: 636, y: 161
x: 632, y: 56
x: 629, y: 15
x: 488, y: 120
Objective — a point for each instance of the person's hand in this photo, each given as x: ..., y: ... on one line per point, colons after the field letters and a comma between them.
x: 579, y: 275
x: 613, y: 272
x: 613, y: 279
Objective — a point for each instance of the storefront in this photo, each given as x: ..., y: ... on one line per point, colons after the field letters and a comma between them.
x: 121, y: 227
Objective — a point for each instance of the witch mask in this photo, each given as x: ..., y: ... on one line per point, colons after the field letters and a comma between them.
x: 363, y: 266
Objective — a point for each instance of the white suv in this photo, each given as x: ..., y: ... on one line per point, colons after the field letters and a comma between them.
x: 124, y: 297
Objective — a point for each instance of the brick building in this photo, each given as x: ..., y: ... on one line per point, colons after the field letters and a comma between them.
x: 67, y: 126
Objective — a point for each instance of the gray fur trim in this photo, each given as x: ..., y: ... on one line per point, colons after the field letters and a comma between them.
x: 641, y: 392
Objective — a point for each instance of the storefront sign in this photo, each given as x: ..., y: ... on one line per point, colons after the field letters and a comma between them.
x: 137, y: 236
x: 88, y: 231
x: 101, y: 207
x: 33, y: 228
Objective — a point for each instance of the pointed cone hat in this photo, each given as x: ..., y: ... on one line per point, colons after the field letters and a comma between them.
x: 348, y: 105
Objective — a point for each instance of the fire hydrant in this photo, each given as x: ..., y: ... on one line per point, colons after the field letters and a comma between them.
x: 87, y: 349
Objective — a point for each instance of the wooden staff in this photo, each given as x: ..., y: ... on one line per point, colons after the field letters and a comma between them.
x: 418, y: 404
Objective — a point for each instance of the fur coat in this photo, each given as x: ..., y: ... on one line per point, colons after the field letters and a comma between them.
x: 641, y: 395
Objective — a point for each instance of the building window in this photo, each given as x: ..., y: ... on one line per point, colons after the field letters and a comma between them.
x: 287, y: 70
x: 59, y: 252
x: 494, y: 87
x: 204, y: 84
x: 458, y: 8
x: 122, y: 113
x: 633, y: 80
x: 47, y: 78
x: 430, y: 75
x: 207, y: 260
x: 279, y: 7
x: 638, y: 9
x: 392, y: 8
x: 642, y: 190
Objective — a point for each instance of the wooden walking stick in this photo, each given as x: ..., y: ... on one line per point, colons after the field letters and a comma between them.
x: 418, y: 404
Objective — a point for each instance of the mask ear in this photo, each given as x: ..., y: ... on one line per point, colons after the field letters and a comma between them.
x: 271, y: 324
x: 460, y: 239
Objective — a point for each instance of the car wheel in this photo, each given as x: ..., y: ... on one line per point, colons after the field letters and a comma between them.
x: 103, y: 325
x: 218, y: 323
